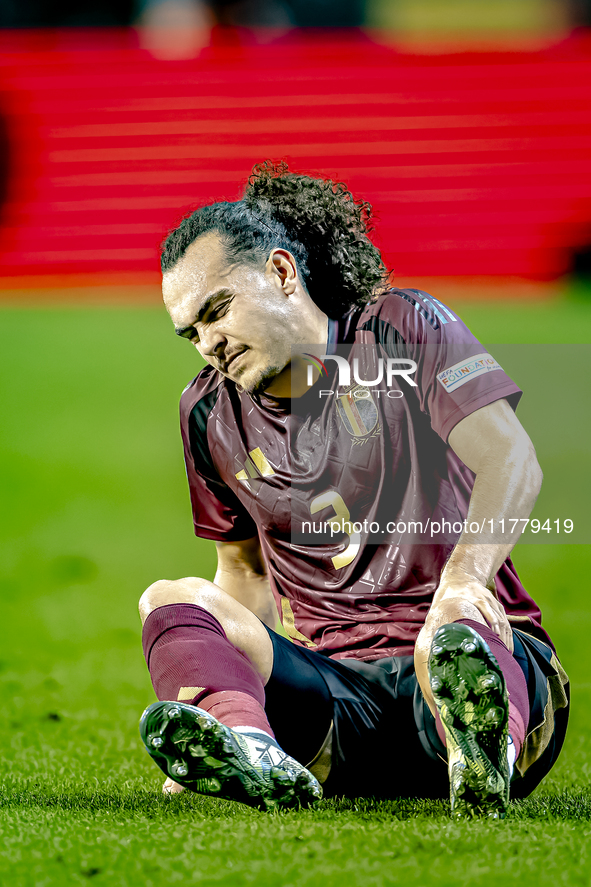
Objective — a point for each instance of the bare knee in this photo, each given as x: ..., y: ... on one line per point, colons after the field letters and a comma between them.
x: 242, y: 628
x: 174, y: 591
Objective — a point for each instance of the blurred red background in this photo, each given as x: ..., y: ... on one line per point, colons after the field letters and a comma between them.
x: 478, y: 164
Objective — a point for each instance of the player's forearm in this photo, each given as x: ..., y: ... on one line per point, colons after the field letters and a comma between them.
x: 508, y: 480
x: 505, y: 491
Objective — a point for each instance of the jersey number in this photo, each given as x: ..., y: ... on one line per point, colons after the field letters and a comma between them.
x: 342, y: 519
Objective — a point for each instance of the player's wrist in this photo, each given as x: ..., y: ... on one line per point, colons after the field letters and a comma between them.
x: 464, y: 568
x: 462, y: 588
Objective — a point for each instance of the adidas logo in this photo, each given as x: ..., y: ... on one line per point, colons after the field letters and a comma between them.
x: 256, y: 466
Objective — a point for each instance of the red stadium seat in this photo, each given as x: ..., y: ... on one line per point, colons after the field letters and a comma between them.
x: 476, y: 163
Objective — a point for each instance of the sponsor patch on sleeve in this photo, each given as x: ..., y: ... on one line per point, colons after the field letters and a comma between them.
x: 455, y: 376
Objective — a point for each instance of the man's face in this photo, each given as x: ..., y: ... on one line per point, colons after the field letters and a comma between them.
x: 242, y: 319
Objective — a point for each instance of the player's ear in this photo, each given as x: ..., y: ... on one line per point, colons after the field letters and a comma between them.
x: 282, y: 265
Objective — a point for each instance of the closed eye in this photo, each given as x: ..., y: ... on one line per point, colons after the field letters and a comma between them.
x: 189, y: 332
x: 218, y: 311
x: 210, y: 311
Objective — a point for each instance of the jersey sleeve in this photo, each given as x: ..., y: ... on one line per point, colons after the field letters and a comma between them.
x: 455, y: 374
x: 217, y: 513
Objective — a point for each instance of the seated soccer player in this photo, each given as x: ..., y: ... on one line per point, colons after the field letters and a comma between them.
x: 353, y: 452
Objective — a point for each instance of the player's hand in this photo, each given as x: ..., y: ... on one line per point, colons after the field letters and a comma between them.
x: 458, y: 597
x: 171, y: 787
x: 466, y: 598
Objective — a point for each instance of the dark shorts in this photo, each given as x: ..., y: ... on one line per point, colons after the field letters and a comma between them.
x: 384, y: 741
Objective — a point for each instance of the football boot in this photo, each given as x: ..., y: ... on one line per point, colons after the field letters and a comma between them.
x: 473, y: 704
x: 200, y: 753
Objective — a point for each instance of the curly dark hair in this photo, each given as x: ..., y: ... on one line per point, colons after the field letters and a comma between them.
x: 317, y: 220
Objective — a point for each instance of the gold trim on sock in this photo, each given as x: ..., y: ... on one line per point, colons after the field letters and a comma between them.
x: 187, y: 693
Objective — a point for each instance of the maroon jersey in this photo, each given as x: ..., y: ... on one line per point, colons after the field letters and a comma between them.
x: 375, y: 459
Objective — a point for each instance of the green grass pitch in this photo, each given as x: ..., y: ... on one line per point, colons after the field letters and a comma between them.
x: 95, y: 508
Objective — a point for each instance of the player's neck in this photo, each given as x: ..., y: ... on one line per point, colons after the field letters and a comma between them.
x: 294, y: 380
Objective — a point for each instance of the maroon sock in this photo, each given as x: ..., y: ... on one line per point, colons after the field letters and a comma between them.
x: 190, y: 659
x: 514, y: 680
x: 235, y: 709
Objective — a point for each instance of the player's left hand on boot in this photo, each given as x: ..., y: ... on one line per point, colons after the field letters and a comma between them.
x: 458, y: 597
x: 462, y: 597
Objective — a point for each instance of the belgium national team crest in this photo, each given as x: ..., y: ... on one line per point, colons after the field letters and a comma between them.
x: 359, y: 413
